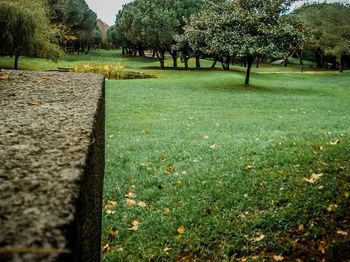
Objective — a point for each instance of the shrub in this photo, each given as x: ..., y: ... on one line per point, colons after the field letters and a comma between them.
x: 110, y: 71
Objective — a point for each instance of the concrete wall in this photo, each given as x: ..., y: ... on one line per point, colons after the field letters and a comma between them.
x: 51, y: 166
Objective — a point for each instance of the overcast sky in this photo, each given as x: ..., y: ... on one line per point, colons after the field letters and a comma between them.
x: 107, y: 9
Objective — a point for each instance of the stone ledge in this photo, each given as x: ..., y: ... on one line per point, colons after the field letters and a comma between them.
x: 51, y: 166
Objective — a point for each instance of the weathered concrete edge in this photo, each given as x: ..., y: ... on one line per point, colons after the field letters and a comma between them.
x: 85, y: 237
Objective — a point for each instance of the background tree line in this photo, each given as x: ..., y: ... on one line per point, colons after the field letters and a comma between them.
x: 46, y: 28
x: 234, y: 31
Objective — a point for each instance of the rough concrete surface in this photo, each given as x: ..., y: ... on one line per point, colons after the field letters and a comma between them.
x: 51, y: 166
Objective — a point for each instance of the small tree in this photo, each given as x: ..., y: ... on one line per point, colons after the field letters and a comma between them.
x: 25, y: 30
x: 244, y: 29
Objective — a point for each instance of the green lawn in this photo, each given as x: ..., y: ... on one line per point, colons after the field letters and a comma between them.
x: 201, y: 168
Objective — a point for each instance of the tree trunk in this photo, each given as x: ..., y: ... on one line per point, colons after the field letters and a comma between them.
x: 161, y: 58
x: 285, y: 63
x: 258, y: 62
x: 16, y: 62
x: 301, y: 60
x: 250, y: 61
x: 186, y: 62
x: 214, y: 63
x: 198, y: 62
x: 174, y: 56
x: 341, y: 64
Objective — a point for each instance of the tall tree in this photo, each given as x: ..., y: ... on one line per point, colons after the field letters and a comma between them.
x: 26, y: 30
x: 330, y: 30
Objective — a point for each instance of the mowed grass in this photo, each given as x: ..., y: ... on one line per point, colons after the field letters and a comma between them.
x: 217, y: 170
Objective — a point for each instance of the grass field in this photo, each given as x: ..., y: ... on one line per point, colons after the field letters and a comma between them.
x: 201, y: 168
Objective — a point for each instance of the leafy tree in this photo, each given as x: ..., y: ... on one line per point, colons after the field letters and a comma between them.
x: 244, y: 29
x: 330, y: 30
x: 25, y: 30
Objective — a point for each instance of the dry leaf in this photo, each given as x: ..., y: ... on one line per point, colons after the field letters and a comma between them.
x: 131, y: 202
x: 110, y: 212
x: 166, y: 211
x: 141, y: 204
x: 169, y: 169
x: 110, y: 205
x: 342, y: 233
x: 335, y: 142
x: 322, y: 247
x: 205, y: 137
x: 213, y: 146
x: 181, y: 229
x: 46, y: 77
x: 332, y: 207
x: 63, y: 80
x: 248, y: 167
x: 34, y: 103
x: 40, y: 81
x: 134, y: 225
x: 318, y: 147
x: 130, y: 195
x: 105, y: 248
x: 5, y: 77
x: 278, y: 258
x: 166, y: 249
x: 301, y: 228
x: 313, y: 178
x: 112, y: 233
x: 257, y: 238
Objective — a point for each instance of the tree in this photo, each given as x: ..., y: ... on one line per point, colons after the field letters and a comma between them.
x: 26, y: 30
x: 244, y: 29
x: 330, y: 31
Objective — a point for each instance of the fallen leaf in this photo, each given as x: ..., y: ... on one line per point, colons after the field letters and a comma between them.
x: 335, y: 142
x: 112, y: 233
x: 313, y: 178
x: 332, y: 207
x: 63, y: 80
x: 278, y: 258
x: 46, y: 77
x: 130, y: 202
x: 34, y: 103
x: 322, y: 247
x: 141, y: 204
x: 213, y: 146
x: 110, y: 212
x: 130, y: 195
x: 342, y: 233
x: 181, y: 229
x: 301, y: 228
x: 40, y: 81
x: 11, y: 94
x: 110, y: 205
x: 105, y: 248
x: 248, y: 167
x: 169, y: 169
x: 166, y: 211
x: 205, y: 137
x: 318, y: 147
x: 134, y: 225
x: 5, y: 77
x: 258, y: 238
x: 166, y: 249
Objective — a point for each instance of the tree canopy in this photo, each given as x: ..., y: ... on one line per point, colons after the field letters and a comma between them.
x: 25, y: 30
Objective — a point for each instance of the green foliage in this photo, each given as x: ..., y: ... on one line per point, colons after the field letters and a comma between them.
x: 110, y: 71
x: 330, y: 28
x: 26, y: 30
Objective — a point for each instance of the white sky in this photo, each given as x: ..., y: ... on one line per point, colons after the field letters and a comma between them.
x: 106, y: 10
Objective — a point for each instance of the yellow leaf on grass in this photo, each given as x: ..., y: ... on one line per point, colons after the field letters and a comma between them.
x: 332, y: 207
x: 335, y: 142
x: 110, y: 205
x: 134, y: 225
x: 213, y: 146
x: 248, y: 167
x: 342, y: 233
x: 112, y: 233
x: 313, y: 178
x: 141, y: 204
x: 130, y: 195
x: 278, y: 258
x: 105, y: 248
x: 181, y: 229
x: 166, y: 249
x: 205, y: 137
x: 166, y: 211
x: 169, y: 169
x: 256, y: 239
x: 322, y: 247
x: 110, y: 212
x: 130, y: 202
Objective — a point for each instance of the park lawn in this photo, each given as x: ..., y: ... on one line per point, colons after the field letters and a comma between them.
x: 211, y: 170
x: 205, y: 169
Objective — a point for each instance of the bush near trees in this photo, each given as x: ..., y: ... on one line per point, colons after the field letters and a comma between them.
x: 25, y: 30
x: 330, y: 32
